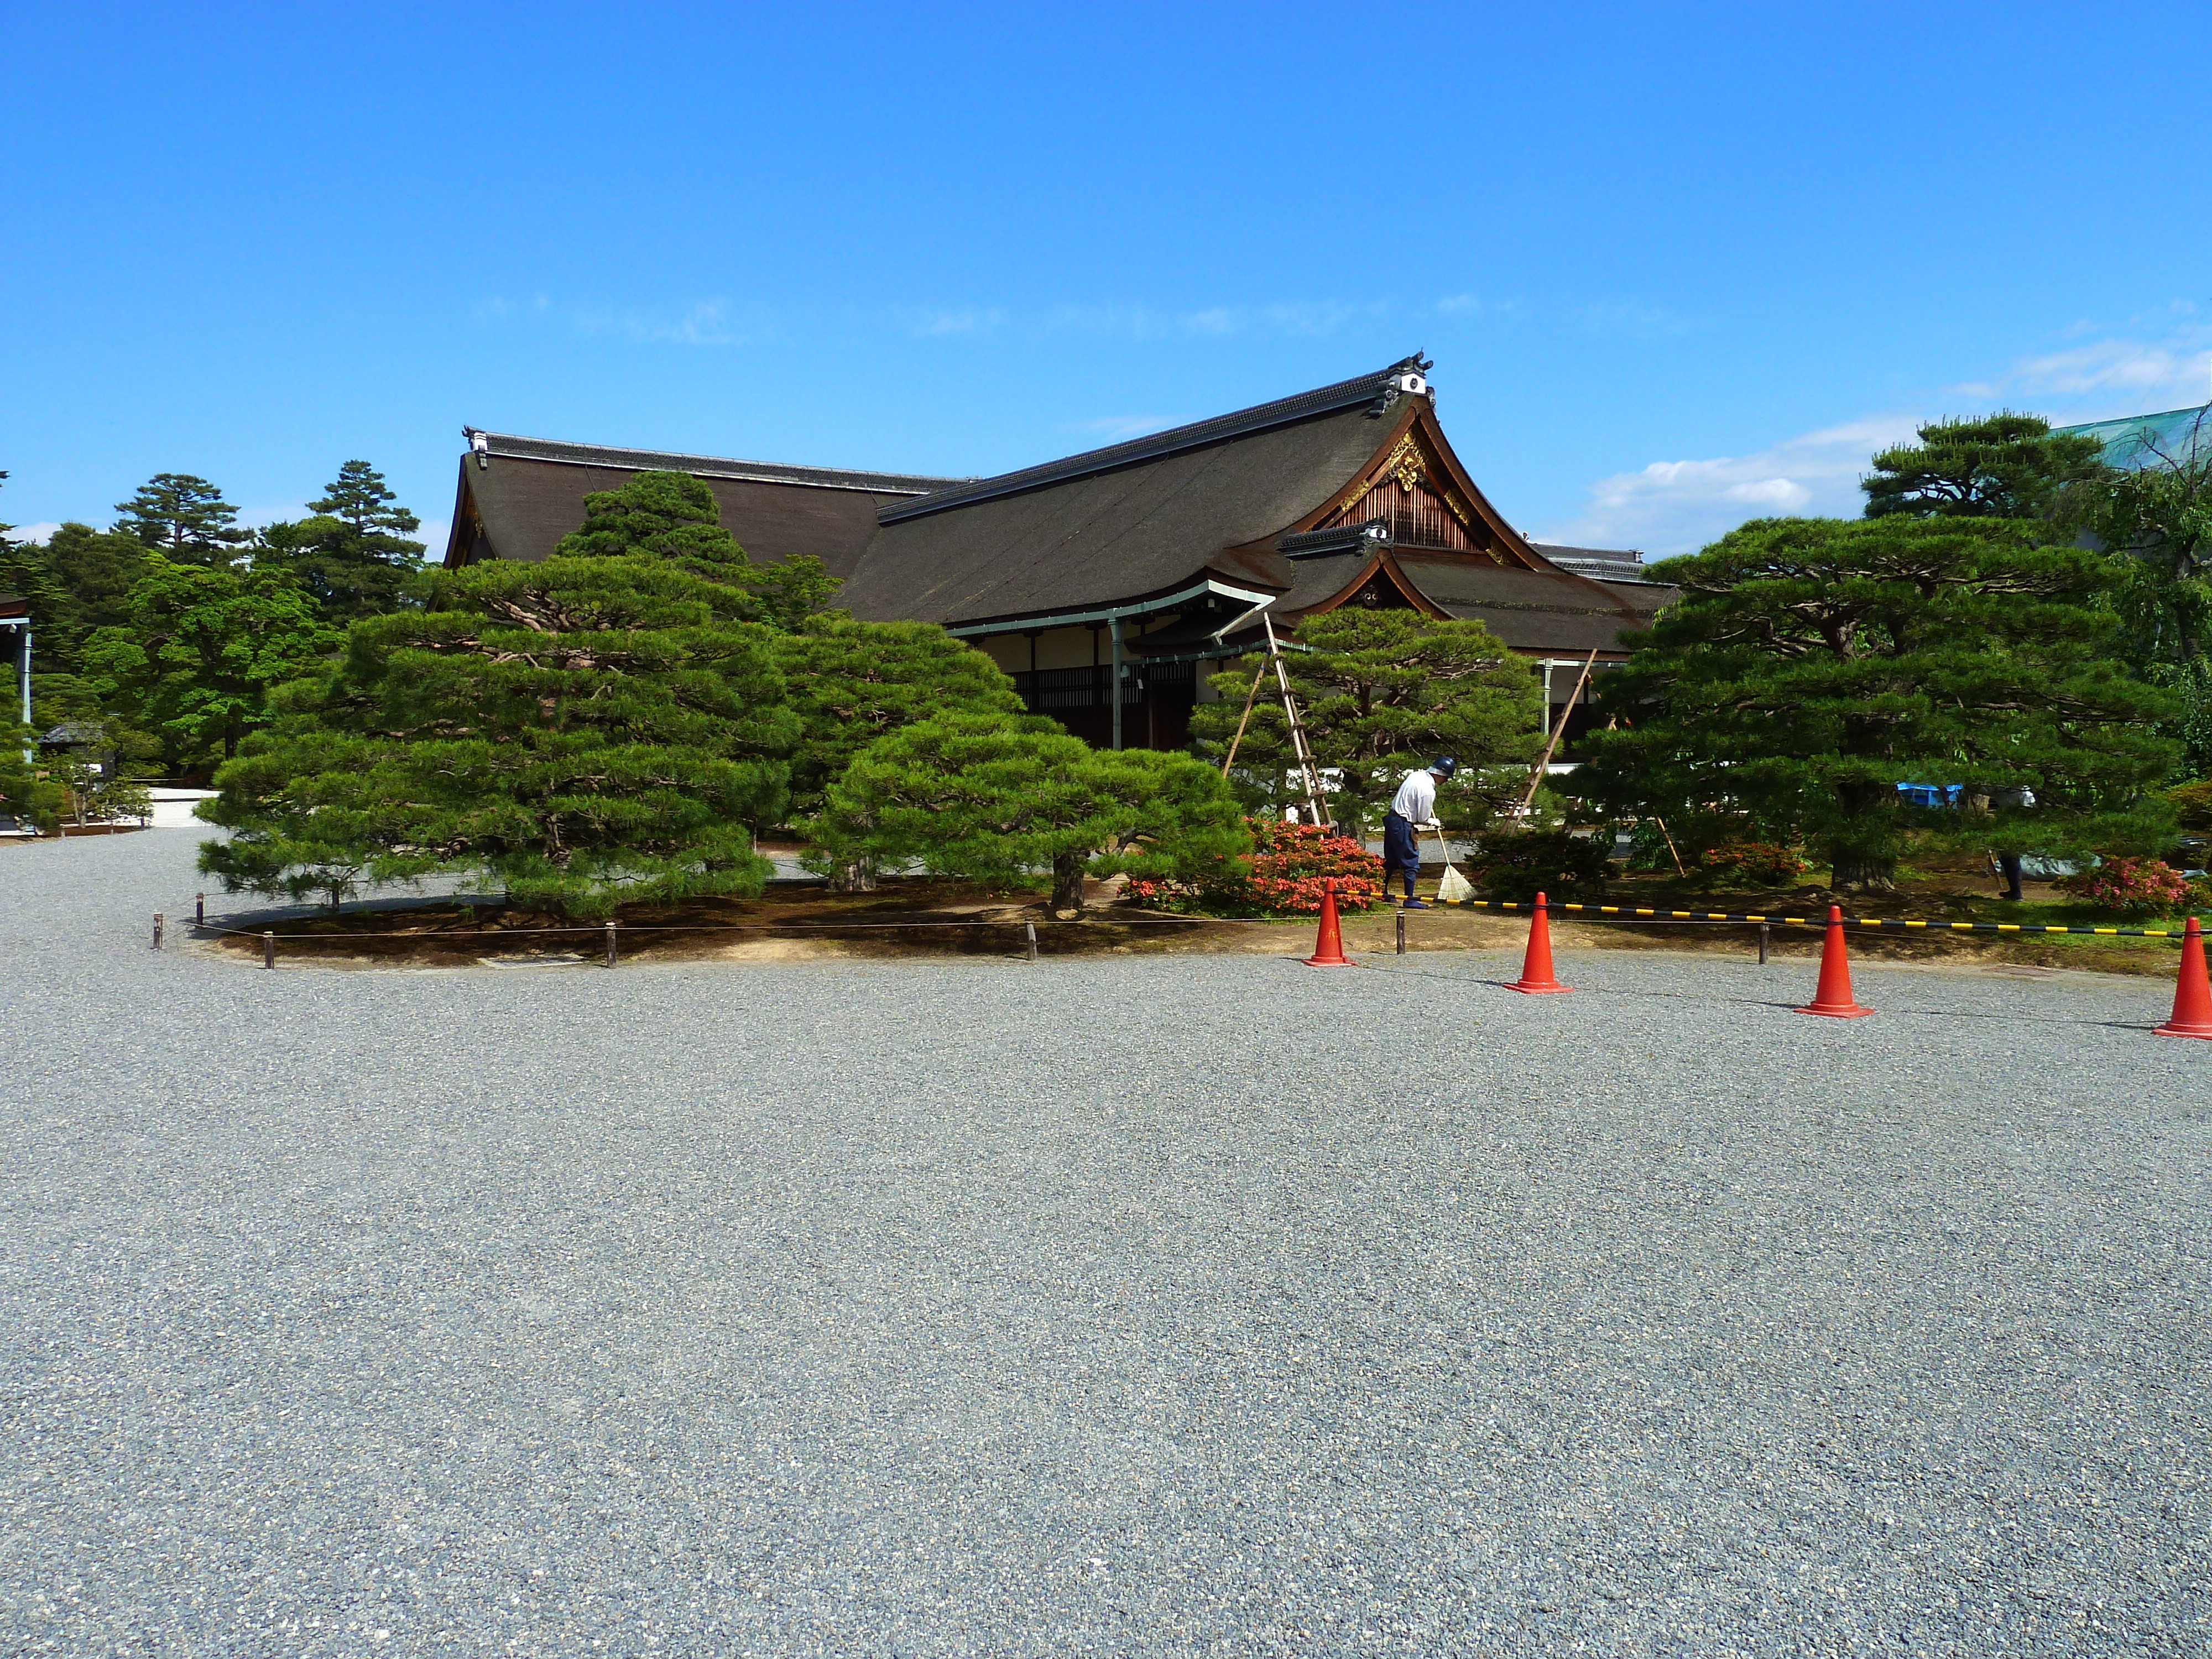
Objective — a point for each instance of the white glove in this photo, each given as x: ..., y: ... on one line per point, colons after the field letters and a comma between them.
x: 1431, y: 825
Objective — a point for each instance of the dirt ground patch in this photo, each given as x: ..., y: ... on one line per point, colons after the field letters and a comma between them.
x: 923, y: 917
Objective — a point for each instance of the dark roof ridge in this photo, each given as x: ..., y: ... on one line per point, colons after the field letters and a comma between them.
x: 706, y: 466
x: 1380, y: 388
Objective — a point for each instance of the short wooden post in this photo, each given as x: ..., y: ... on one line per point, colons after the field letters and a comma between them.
x: 1763, y: 930
x: 199, y: 909
x: 1031, y: 928
x: 157, y: 930
x: 269, y: 949
x: 612, y: 955
x: 1401, y: 932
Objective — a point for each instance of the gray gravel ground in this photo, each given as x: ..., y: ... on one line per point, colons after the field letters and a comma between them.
x: 1142, y: 1305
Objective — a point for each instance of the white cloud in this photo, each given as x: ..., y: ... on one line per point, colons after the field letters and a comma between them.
x: 38, y: 533
x: 931, y: 323
x: 1299, y: 319
x: 706, y: 323
x: 1115, y: 429
x: 1677, y: 506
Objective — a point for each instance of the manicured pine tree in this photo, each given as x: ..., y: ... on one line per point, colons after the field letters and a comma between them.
x: 604, y: 726
x: 1000, y: 797
x: 1814, y: 665
x: 1997, y: 466
x: 672, y: 515
x: 1381, y: 692
x: 853, y: 682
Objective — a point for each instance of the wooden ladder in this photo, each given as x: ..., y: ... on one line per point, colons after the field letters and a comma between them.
x: 1307, y: 772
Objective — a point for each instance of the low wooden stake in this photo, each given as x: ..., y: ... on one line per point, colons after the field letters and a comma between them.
x: 269, y: 949
x: 157, y: 930
x: 199, y: 909
x: 1401, y: 932
x: 1031, y: 926
x: 612, y: 957
x: 1763, y: 931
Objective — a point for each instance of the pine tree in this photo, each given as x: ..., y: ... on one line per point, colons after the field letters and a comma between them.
x: 184, y: 518
x: 354, y: 554
x: 853, y: 682
x: 1381, y: 692
x: 2002, y: 466
x: 1812, y: 665
x: 359, y: 498
x: 672, y: 515
x: 996, y: 797
x: 596, y: 727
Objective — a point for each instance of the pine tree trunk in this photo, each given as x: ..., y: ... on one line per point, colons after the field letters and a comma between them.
x: 1863, y: 848
x: 1862, y: 872
x: 855, y: 875
x: 1068, y: 883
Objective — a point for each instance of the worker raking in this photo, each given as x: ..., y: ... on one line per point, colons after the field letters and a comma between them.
x: 1412, y: 809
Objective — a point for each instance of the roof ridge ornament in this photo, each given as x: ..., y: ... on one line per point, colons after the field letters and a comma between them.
x: 1408, y: 378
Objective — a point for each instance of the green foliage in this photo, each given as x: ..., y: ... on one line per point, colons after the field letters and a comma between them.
x: 1749, y: 863
x: 2192, y: 806
x: 1812, y: 665
x: 25, y: 795
x: 1381, y: 693
x: 583, y: 731
x: 2002, y: 465
x: 2160, y: 514
x: 203, y: 649
x: 995, y: 797
x: 853, y: 682
x: 674, y: 516
x: 184, y: 518
x: 354, y: 555
x: 1515, y: 866
x: 78, y: 583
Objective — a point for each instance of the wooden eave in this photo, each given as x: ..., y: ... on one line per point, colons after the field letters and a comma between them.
x: 1385, y: 562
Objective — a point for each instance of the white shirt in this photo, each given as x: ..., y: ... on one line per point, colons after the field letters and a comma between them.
x: 1416, y: 799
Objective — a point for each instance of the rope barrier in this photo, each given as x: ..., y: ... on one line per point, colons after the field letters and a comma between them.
x: 1613, y: 914
x: 1627, y: 912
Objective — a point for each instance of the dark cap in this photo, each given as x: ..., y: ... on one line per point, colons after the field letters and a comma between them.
x: 1443, y: 766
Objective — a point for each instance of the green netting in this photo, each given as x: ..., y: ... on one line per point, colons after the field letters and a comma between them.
x: 2178, y: 436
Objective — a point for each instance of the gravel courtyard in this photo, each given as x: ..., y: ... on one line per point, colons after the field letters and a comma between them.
x: 1130, y: 1306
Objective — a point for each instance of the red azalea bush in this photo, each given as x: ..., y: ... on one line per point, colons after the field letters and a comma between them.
x: 1285, y: 874
x: 1755, y: 863
x: 2131, y: 887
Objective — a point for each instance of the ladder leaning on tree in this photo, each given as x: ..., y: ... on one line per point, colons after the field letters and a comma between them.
x: 1307, y: 774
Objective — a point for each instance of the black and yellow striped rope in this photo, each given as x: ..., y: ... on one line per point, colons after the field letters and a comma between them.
x: 1634, y: 912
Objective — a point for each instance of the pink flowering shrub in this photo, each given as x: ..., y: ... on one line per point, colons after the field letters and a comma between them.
x: 1285, y: 874
x: 2129, y: 887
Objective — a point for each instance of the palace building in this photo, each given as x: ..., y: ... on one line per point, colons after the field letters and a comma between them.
x: 1110, y: 584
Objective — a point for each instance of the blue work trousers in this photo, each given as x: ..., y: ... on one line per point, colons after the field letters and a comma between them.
x: 1401, y: 850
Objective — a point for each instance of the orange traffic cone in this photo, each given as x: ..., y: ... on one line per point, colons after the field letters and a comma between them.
x: 1536, y: 978
x: 1834, y: 996
x: 2192, y: 991
x: 1328, y: 944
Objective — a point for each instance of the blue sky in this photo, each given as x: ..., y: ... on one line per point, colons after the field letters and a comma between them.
x: 1675, y: 269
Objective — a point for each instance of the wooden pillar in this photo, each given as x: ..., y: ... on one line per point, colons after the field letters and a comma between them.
x: 1113, y: 623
